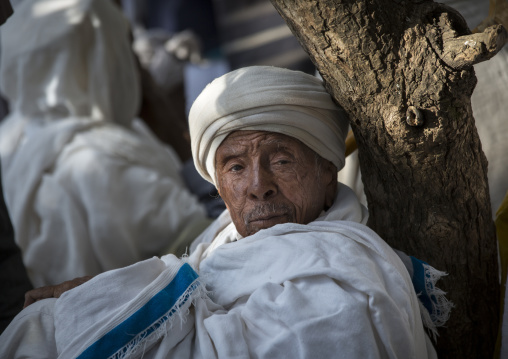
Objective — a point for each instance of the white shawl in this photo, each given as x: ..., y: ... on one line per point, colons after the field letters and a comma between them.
x: 329, y: 288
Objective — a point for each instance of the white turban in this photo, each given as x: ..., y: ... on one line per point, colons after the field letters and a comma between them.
x: 264, y: 98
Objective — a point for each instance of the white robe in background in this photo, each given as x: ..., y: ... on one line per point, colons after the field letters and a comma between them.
x: 87, y: 188
x: 331, y: 288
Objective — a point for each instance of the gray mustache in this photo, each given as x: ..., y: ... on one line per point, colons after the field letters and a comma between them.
x: 267, y: 210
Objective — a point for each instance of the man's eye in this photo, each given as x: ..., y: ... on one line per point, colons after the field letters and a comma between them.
x: 282, y: 162
x: 236, y: 168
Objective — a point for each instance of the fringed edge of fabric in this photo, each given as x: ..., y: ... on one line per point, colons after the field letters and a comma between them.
x: 440, y: 307
x: 152, y: 318
x: 161, y: 327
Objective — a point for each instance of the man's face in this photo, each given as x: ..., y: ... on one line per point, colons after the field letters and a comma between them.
x: 267, y: 178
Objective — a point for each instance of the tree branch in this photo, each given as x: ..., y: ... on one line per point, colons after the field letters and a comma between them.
x: 465, y: 51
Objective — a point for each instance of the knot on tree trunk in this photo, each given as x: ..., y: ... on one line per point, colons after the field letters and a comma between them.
x: 414, y: 117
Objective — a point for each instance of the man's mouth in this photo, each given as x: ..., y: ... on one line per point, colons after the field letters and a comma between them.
x: 269, y: 215
x: 267, y: 218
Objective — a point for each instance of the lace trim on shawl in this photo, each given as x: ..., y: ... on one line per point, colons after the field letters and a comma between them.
x: 435, y: 308
x: 161, y: 327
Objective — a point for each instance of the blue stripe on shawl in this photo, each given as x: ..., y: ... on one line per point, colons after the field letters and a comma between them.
x: 420, y: 281
x: 143, y: 319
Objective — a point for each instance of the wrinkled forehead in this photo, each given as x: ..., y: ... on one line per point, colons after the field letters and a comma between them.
x: 243, y: 140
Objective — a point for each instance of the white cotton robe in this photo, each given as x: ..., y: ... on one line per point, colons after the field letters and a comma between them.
x: 87, y: 188
x: 331, y: 288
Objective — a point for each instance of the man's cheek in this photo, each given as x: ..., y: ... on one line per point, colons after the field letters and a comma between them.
x: 236, y: 209
x: 302, y: 205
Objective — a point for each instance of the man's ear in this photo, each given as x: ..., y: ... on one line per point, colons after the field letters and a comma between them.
x: 218, y: 191
x: 330, y: 181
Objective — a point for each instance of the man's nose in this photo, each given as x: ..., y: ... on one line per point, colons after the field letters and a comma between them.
x: 262, y: 185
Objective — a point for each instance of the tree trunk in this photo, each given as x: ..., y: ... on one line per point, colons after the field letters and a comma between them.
x: 402, y: 70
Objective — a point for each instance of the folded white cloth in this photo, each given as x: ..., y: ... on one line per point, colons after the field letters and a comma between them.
x: 329, y: 288
x: 141, y: 305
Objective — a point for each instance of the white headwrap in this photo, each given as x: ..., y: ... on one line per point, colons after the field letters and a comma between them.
x: 269, y: 99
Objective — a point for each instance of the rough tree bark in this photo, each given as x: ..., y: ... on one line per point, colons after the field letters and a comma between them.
x: 403, y: 72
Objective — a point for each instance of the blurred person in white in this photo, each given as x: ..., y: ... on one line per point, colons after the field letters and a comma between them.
x: 87, y: 186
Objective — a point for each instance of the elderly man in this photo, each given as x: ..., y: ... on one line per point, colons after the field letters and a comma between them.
x: 289, y: 270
